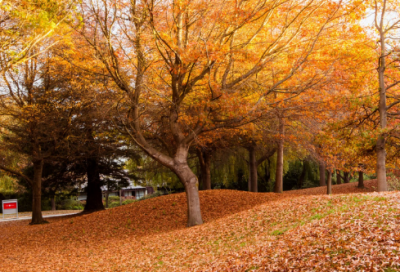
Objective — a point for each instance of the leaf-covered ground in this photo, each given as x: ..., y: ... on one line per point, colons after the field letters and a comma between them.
x: 242, y: 232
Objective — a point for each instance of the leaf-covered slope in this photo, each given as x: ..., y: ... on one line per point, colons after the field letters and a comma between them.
x: 263, y: 231
x: 346, y: 188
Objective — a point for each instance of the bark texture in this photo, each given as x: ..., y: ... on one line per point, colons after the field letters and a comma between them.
x: 338, y: 177
x: 346, y: 177
x: 302, y: 177
x: 253, y: 182
x: 360, y: 179
x: 329, y: 183
x: 322, y: 174
x: 279, y: 161
x: 205, y: 168
x: 381, y: 142
x: 37, y: 217
x: 189, y: 180
x: 94, y: 201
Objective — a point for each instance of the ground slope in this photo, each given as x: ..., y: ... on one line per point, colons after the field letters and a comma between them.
x: 259, y: 231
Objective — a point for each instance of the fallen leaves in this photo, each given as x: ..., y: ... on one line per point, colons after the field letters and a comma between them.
x: 243, y: 232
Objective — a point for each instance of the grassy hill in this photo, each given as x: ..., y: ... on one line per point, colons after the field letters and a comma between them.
x: 242, y: 232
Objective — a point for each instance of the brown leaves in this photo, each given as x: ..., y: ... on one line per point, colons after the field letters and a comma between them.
x: 263, y: 231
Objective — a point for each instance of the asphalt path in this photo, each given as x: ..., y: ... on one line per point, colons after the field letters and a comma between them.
x: 29, y: 217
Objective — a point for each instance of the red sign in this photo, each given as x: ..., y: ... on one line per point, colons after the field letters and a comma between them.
x: 8, y: 206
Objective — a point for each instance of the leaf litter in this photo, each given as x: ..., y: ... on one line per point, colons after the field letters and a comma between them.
x: 242, y: 232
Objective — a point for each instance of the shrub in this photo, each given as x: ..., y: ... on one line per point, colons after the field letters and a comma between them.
x: 113, y: 204
x: 156, y: 194
x: 113, y: 199
x: 70, y: 204
x: 128, y: 201
x: 393, y: 183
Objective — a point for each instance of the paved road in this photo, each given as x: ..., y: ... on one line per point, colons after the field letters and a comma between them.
x: 29, y: 217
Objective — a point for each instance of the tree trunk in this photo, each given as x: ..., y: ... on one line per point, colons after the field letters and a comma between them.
x: 53, y: 202
x: 279, y: 160
x: 267, y: 176
x: 107, y: 195
x: 253, y: 182
x: 94, y: 200
x: 37, y: 217
x: 329, y: 185
x: 120, y: 197
x: 322, y: 173
x: 338, y: 177
x: 189, y: 180
x: 360, y: 179
x: 381, y: 164
x: 380, y: 144
x: 346, y: 177
x: 302, y: 175
x: 205, y: 167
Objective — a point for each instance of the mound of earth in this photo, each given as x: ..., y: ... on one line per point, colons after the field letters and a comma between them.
x: 242, y: 232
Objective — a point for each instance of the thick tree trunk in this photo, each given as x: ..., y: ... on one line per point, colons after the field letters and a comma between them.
x: 381, y: 165
x: 329, y: 185
x: 37, y: 217
x: 322, y: 174
x: 279, y: 160
x: 346, y: 177
x: 189, y: 180
x: 94, y: 200
x: 53, y: 202
x: 338, y: 177
x: 360, y: 179
x: 205, y: 167
x: 253, y: 182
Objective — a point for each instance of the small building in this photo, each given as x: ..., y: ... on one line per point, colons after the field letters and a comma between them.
x: 134, y: 192
x: 130, y: 192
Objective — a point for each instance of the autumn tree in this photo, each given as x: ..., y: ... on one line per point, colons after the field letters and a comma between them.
x: 190, y: 67
x: 387, y: 24
x: 25, y: 25
x: 40, y: 104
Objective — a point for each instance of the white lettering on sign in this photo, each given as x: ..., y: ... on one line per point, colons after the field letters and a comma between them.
x: 10, y: 206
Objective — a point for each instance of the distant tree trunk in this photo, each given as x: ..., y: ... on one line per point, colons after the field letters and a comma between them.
x: 338, y: 177
x: 322, y: 170
x: 253, y: 182
x: 360, y: 179
x: 279, y: 160
x: 107, y: 195
x: 94, y: 200
x: 267, y: 176
x: 120, y: 197
x: 302, y: 175
x: 53, y: 202
x: 346, y: 177
x: 37, y: 217
x: 381, y: 141
x: 205, y: 167
x: 329, y: 185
